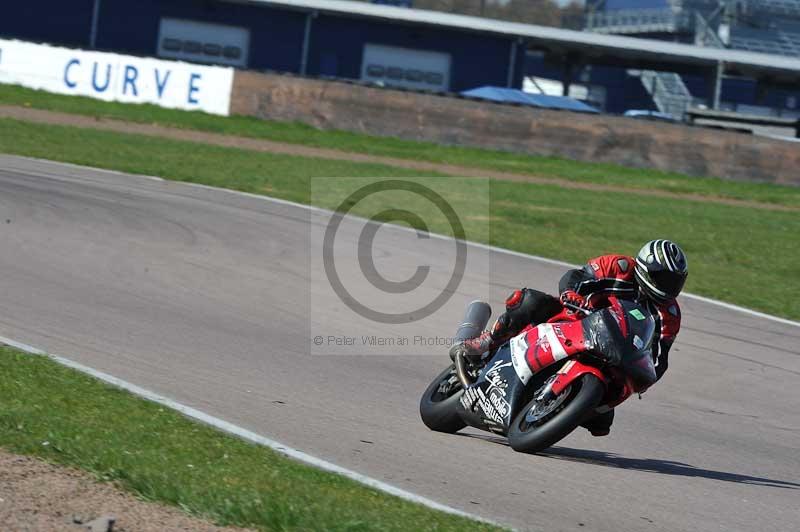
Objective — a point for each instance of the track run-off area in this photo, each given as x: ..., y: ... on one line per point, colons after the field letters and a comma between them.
x: 202, y: 296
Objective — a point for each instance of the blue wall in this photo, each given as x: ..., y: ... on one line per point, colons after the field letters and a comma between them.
x: 68, y: 22
x: 623, y: 92
x: 742, y: 91
x: 276, y: 36
x: 337, y: 46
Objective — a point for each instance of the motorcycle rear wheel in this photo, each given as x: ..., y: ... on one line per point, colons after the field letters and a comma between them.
x: 438, y: 406
x: 582, y: 397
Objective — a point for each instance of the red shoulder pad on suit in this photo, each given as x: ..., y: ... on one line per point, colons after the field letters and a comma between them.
x: 612, y: 266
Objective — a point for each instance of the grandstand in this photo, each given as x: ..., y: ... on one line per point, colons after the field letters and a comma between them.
x: 764, y: 26
x: 767, y: 26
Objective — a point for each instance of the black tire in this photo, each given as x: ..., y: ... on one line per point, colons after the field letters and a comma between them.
x: 440, y: 412
x: 579, y: 405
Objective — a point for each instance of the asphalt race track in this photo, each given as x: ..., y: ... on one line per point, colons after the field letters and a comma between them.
x: 203, y: 296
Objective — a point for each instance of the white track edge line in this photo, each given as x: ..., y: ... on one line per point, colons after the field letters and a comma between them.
x: 487, y: 247
x: 688, y: 295
x: 729, y: 306
x: 245, y: 434
x: 84, y: 167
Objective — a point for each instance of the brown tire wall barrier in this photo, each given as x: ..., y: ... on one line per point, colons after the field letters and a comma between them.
x: 585, y: 137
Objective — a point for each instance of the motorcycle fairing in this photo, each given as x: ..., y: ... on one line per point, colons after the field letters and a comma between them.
x: 624, y: 344
x: 495, y: 397
x: 571, y: 371
x: 636, y: 361
x: 622, y: 336
x: 546, y: 344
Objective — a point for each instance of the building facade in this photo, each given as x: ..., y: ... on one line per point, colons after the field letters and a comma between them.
x: 268, y: 36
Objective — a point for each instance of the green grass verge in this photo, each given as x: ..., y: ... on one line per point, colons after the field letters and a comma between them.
x: 66, y: 417
x: 737, y: 254
x: 297, y: 133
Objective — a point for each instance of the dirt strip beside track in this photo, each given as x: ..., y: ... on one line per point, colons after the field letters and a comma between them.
x: 35, y: 495
x: 248, y: 143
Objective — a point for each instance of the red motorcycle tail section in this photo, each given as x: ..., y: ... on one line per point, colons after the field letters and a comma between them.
x: 548, y: 343
x: 572, y: 371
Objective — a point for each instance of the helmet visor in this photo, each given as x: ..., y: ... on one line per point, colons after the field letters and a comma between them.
x: 668, y: 282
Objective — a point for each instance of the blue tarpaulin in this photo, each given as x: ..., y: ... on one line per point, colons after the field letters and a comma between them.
x: 501, y: 94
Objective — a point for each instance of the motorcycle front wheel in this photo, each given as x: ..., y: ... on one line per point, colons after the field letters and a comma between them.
x: 438, y: 407
x: 541, y: 424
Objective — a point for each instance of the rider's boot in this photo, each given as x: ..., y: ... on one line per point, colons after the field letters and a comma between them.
x: 600, y: 425
x: 473, y: 349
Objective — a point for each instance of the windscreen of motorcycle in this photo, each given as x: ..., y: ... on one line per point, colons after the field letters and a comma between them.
x: 637, y: 359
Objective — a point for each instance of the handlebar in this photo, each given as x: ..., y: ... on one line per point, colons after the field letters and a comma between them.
x: 587, y: 309
x: 577, y: 308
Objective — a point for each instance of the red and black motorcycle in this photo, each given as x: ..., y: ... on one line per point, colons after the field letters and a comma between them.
x: 546, y: 381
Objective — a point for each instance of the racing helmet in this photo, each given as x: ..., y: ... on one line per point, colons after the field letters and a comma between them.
x: 661, y: 270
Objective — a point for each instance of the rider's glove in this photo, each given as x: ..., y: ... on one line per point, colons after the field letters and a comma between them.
x: 573, y: 298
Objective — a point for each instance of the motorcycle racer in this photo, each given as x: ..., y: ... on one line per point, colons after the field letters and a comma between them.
x: 654, y: 277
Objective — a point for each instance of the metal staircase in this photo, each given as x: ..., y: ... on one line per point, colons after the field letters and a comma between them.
x: 668, y: 91
x: 770, y: 26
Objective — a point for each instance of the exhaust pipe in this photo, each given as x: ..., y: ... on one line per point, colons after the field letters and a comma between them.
x: 461, y: 370
x: 475, y: 319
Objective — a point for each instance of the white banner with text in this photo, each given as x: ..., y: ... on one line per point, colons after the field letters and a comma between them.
x: 114, y: 77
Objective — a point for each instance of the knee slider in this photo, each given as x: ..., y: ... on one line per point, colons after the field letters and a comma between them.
x: 524, y: 307
x: 521, y: 307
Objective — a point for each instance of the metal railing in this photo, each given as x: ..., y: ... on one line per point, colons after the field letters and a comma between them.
x: 638, y: 21
x: 775, y: 7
